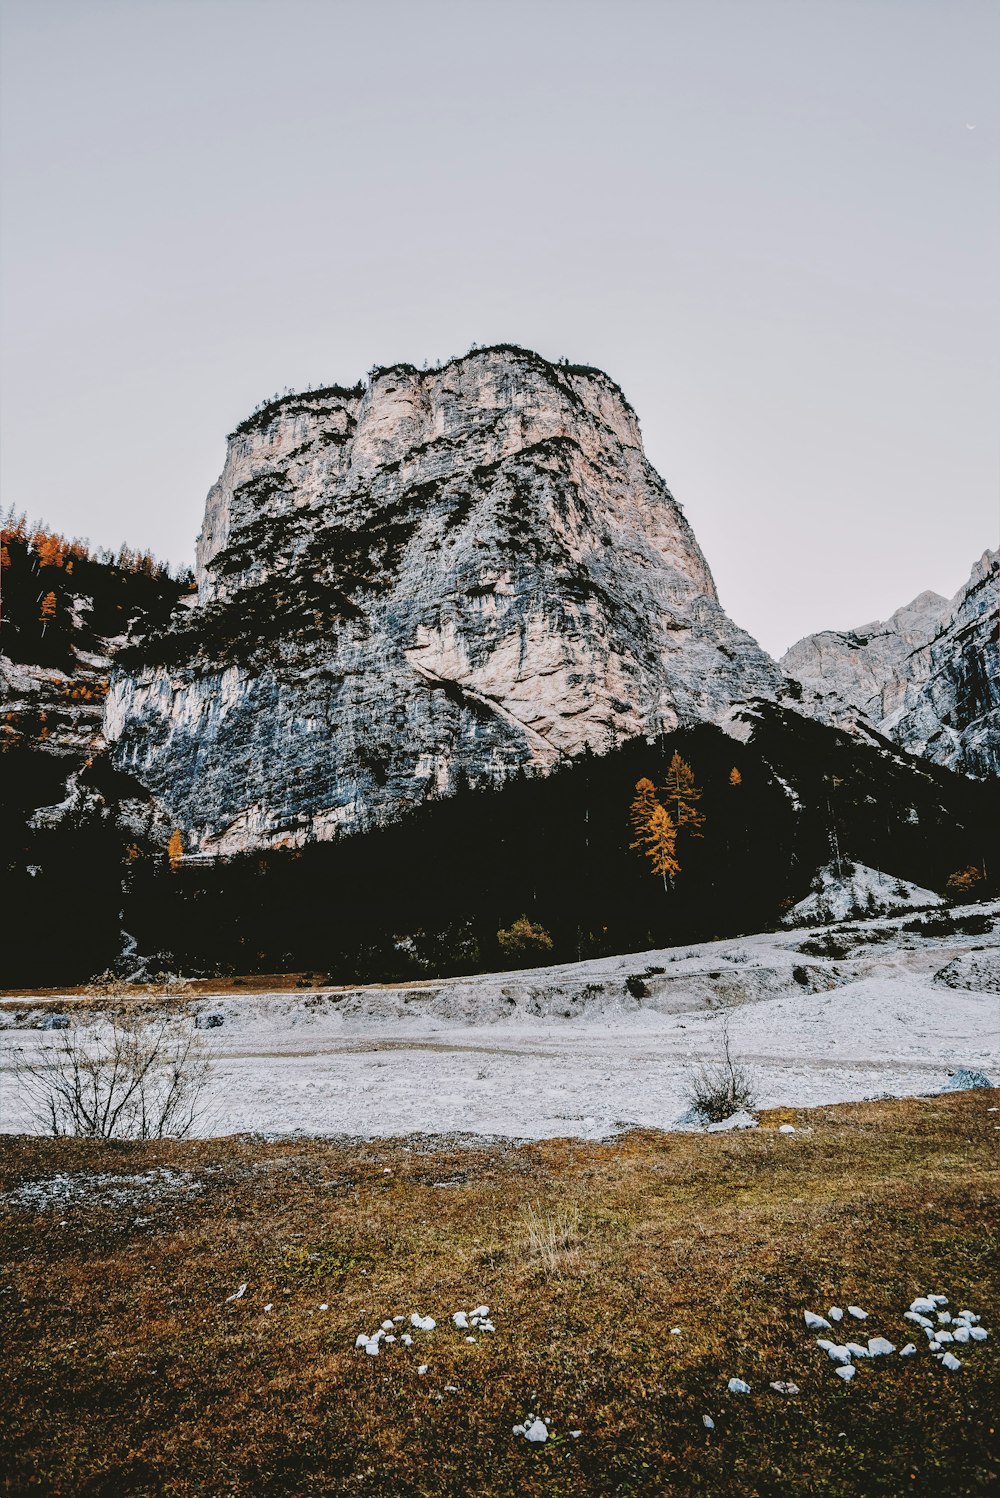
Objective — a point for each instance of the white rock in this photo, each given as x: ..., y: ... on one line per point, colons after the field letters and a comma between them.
x: 922, y: 1304
x: 978, y: 1334
x: 576, y: 1434
x: 967, y: 1316
x: 944, y: 1337
x: 846, y: 1372
x: 269, y: 1307
x: 951, y: 1362
x: 237, y: 1294
x: 390, y: 1338
x: 675, y: 1331
x: 939, y: 1300
x: 934, y: 1346
x: 361, y: 1340
x: 422, y: 1369
x: 451, y: 1388
x: 484, y: 1326
x: 324, y: 1307
x: 423, y: 1323
x: 461, y: 1320
x: 387, y: 1326
x: 835, y: 1313
x: 371, y: 1347
x: 879, y: 1347
x: 917, y: 1318
x: 857, y: 1350
x: 857, y: 1313
x: 786, y: 1128
x: 470, y: 1339
x: 839, y: 1354
x: 537, y: 1431
x: 944, y: 1318
x: 816, y: 1323
x: 961, y: 1333
x: 706, y: 1420
x: 479, y: 1312
x: 737, y: 1386
x: 406, y: 1339
x: 908, y: 1351
x: 785, y: 1388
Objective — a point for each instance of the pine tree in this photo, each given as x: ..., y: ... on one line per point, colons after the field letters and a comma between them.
x: 655, y: 831
x: 682, y: 797
x: 175, y: 850
x: 735, y: 778
x: 47, y: 610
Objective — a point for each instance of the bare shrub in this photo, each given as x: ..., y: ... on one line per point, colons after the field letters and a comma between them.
x: 723, y: 1087
x: 132, y: 1079
x: 553, y: 1238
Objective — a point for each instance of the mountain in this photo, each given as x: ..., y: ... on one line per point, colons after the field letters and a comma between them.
x: 928, y: 678
x: 446, y: 577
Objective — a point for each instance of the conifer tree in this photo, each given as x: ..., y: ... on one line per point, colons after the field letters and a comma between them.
x: 47, y: 610
x: 175, y: 850
x: 682, y: 796
x: 655, y: 832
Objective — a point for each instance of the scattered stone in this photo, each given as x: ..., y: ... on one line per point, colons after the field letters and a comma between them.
x: 785, y: 1388
x: 209, y: 1021
x: 846, y: 1372
x: 55, y: 1022
x: 909, y: 1350
x: 737, y: 1386
x: 966, y: 1080
x: 879, y: 1347
x: 816, y: 1323
x: 706, y: 1420
x: 237, y: 1294
x: 857, y: 1313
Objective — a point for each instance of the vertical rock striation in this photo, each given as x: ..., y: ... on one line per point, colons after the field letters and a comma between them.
x: 446, y: 576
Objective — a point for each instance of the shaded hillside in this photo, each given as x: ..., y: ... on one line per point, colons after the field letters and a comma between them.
x: 430, y: 893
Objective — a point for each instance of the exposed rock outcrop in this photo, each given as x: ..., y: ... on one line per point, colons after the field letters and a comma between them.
x: 852, y: 890
x: 928, y: 677
x: 446, y: 576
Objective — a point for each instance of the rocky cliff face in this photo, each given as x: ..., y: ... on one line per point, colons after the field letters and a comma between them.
x: 927, y: 678
x: 445, y: 576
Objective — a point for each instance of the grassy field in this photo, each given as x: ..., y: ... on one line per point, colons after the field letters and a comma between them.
x: 125, y: 1370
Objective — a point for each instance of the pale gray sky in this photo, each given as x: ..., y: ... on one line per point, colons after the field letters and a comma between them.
x: 769, y: 220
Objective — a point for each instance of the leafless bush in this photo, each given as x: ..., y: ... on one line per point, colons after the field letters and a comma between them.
x: 552, y: 1238
x: 132, y: 1079
x: 723, y: 1087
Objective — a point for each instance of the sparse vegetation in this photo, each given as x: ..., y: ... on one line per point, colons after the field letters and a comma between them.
x: 523, y: 941
x: 951, y: 925
x: 136, y: 1078
x: 125, y: 1371
x: 718, y: 1089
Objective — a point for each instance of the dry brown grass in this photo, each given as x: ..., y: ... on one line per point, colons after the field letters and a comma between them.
x: 125, y: 1371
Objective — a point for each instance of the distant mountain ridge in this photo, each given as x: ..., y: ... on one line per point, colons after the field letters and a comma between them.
x: 928, y: 678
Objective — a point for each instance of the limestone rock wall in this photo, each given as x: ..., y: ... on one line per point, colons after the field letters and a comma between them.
x: 927, y: 678
x: 445, y: 576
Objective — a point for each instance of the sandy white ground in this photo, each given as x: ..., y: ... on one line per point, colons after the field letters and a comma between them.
x: 569, y: 1050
